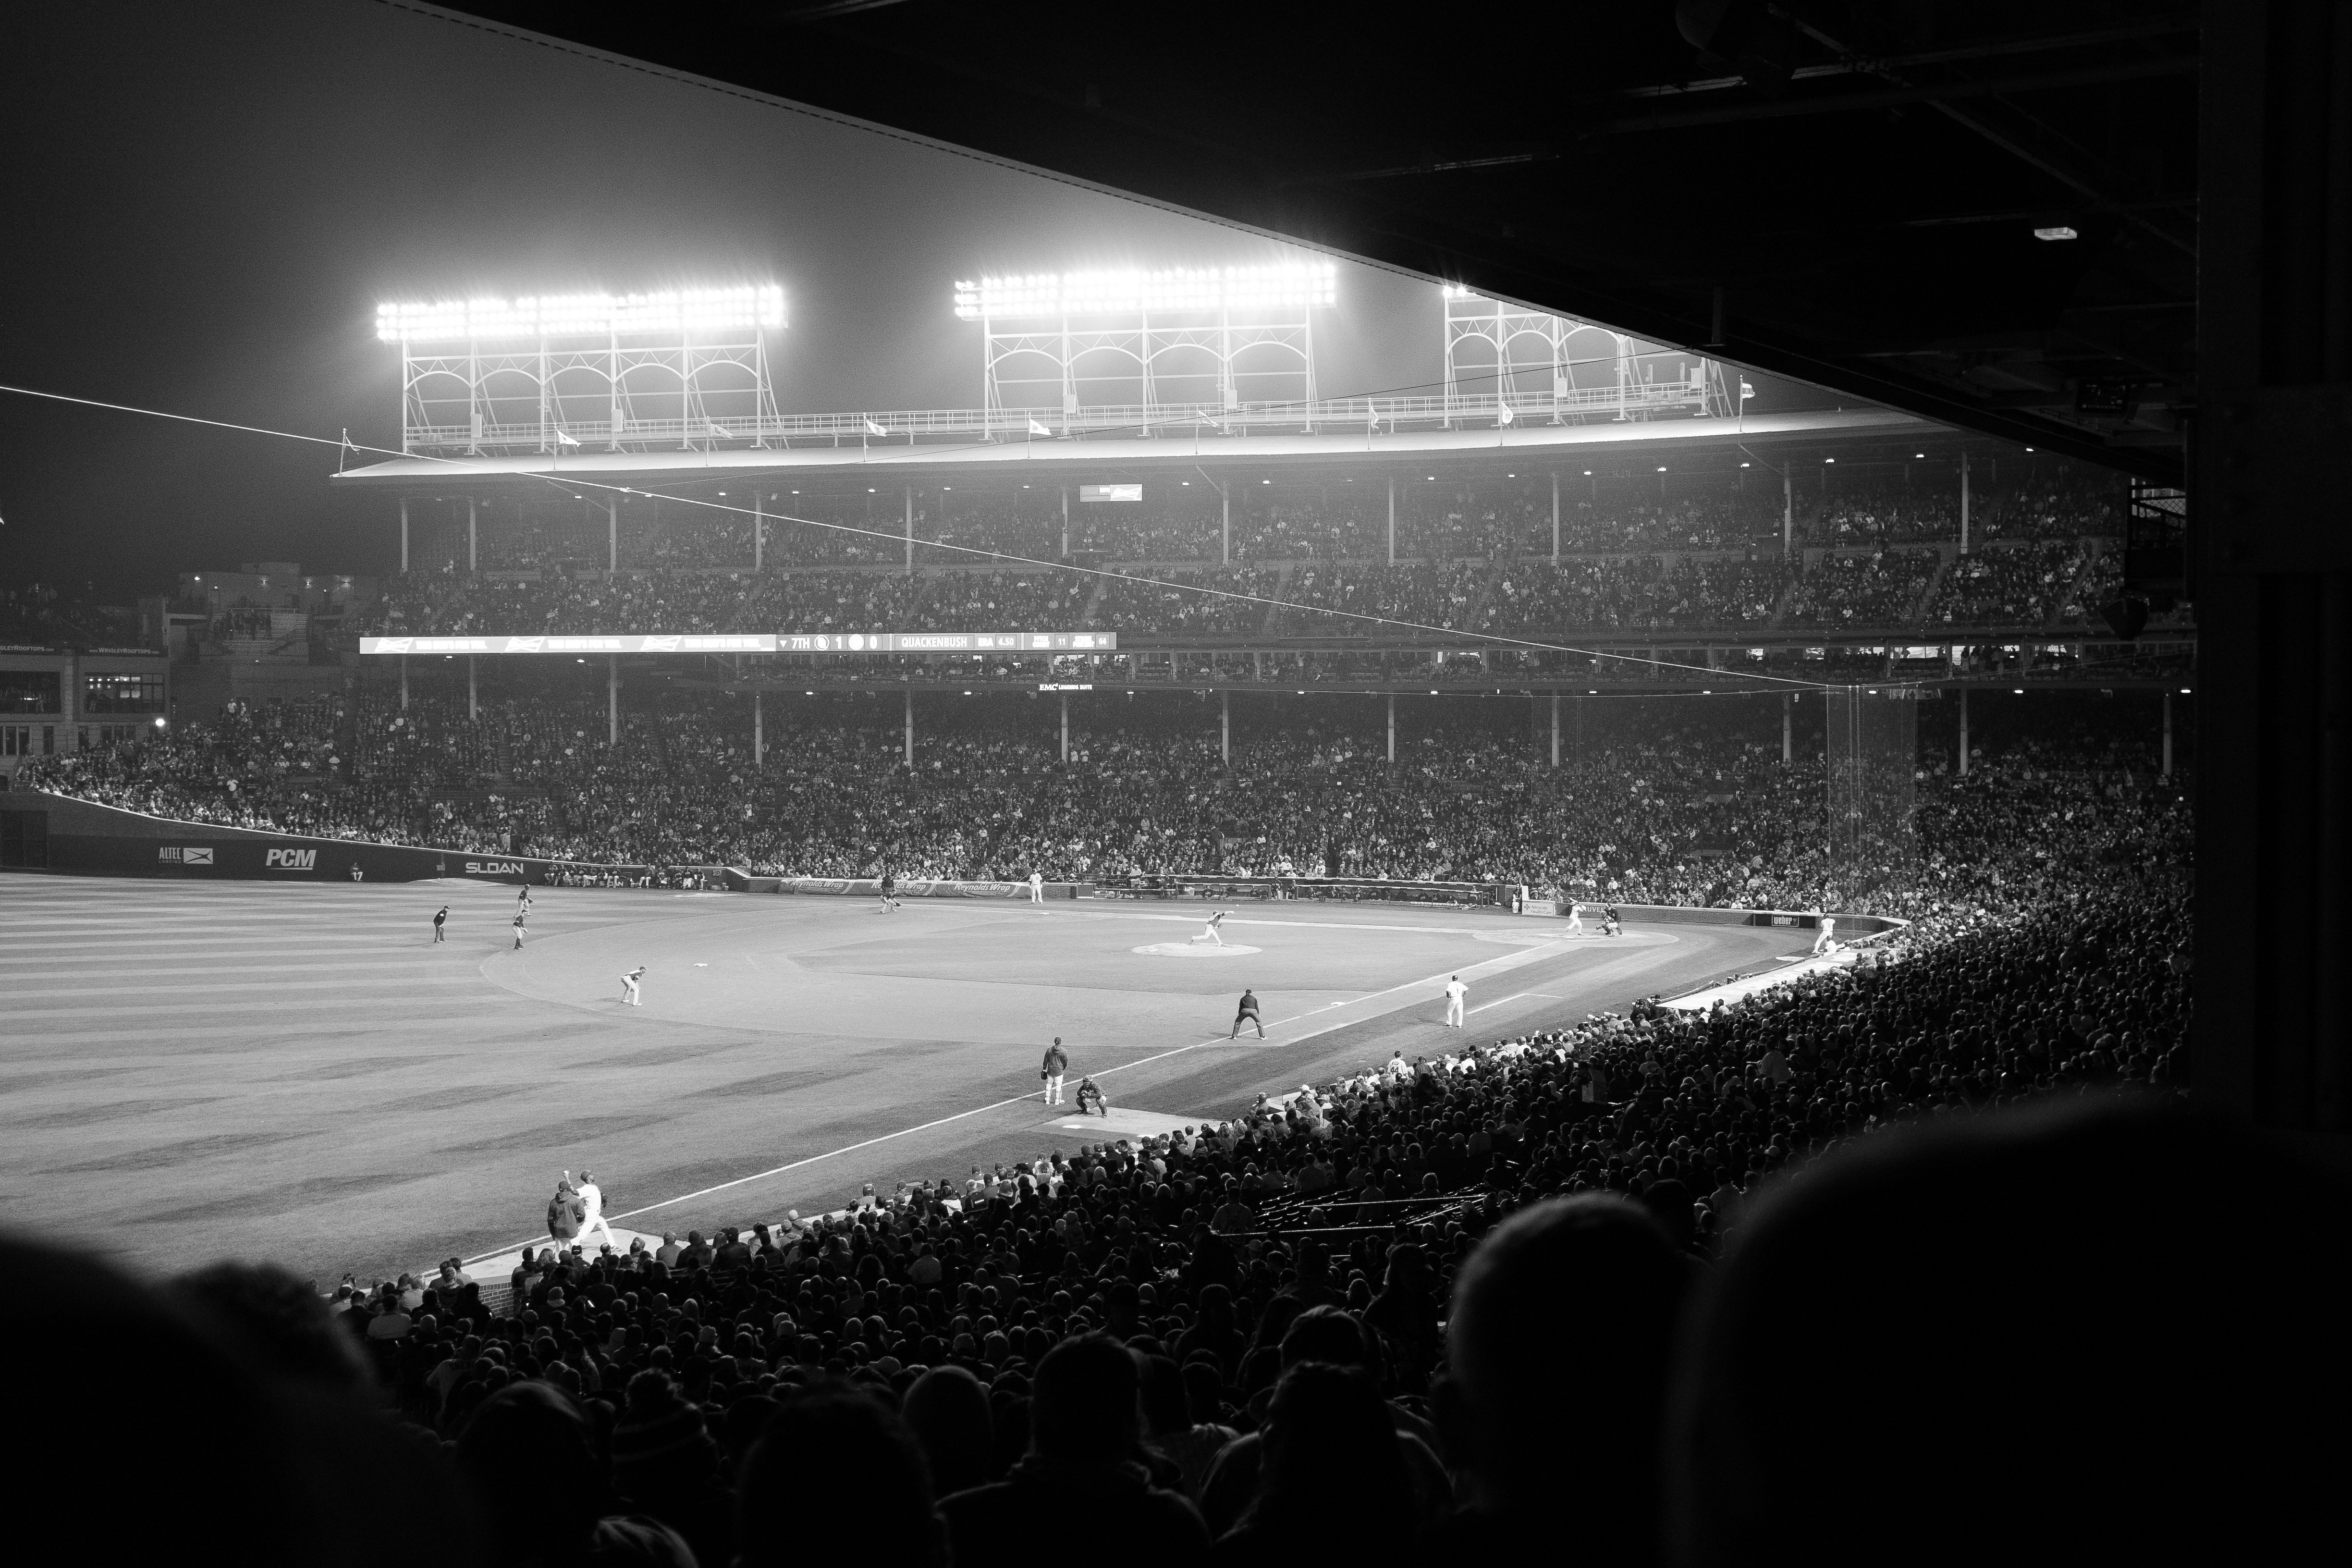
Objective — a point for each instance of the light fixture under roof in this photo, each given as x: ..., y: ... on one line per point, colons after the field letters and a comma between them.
x: 2055, y: 231
x: 667, y: 313
x: 1126, y: 290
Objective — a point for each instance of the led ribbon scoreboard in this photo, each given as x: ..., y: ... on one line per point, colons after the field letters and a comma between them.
x: 756, y: 642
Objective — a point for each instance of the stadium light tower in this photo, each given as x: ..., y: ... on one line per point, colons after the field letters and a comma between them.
x: 1505, y: 362
x: 681, y: 368
x: 1184, y: 342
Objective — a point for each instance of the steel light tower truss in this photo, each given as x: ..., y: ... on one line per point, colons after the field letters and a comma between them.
x: 686, y: 368
x: 1505, y: 363
x: 1172, y: 345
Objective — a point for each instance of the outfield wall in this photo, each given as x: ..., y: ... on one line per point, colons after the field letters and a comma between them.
x: 45, y: 832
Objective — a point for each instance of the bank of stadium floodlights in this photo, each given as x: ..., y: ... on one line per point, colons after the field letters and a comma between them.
x: 676, y: 369
x: 1145, y: 347
x: 1558, y: 370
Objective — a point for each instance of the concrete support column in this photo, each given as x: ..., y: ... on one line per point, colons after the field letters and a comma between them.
x: 1225, y: 725
x: 1065, y: 538
x: 403, y: 534
x: 1964, y: 503
x: 403, y: 681
x: 1392, y: 726
x: 1789, y: 727
x: 910, y: 538
x: 759, y: 534
x: 910, y: 728
x: 1555, y: 560
x: 1555, y: 704
x: 759, y: 729
x: 1066, y: 726
x: 611, y: 699
x: 2167, y: 774
x: 473, y: 692
x: 1226, y: 524
x: 1391, y: 520
x: 1964, y: 732
x: 612, y: 533
x: 1787, y: 513
x: 473, y: 536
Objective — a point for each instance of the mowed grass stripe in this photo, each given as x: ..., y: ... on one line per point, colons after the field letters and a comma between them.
x: 145, y: 970
x: 418, y: 935
x: 129, y: 986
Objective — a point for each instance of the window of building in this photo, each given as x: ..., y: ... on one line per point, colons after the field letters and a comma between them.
x: 31, y: 691
x: 123, y: 694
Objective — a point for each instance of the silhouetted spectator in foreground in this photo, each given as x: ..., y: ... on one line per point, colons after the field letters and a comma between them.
x: 2112, y: 1333
x: 837, y: 1478
x: 665, y: 1464
x: 948, y: 1410
x: 281, y: 1322
x: 1082, y: 1474
x: 1332, y: 1485
x: 526, y: 1463
x: 1557, y: 1358
x: 1334, y: 1336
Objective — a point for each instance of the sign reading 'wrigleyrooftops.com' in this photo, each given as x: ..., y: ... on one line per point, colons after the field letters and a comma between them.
x: 759, y: 642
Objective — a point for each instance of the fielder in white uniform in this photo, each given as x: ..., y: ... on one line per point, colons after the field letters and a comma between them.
x: 593, y: 1197
x: 1454, y: 993
x: 1036, y: 888
x: 1209, y: 931
x: 629, y: 993
x: 1822, y: 943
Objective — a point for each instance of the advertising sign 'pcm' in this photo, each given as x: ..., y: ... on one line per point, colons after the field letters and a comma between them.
x: 757, y: 642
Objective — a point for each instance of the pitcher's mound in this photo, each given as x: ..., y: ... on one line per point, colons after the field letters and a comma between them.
x: 1196, y: 950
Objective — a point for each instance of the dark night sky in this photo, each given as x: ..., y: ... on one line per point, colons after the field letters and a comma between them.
x: 206, y: 202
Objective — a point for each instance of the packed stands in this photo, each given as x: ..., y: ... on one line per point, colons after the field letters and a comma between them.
x: 1465, y: 561
x: 1662, y: 811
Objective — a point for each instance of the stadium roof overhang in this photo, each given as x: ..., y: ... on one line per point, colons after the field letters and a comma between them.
x: 1070, y: 461
x: 1987, y: 215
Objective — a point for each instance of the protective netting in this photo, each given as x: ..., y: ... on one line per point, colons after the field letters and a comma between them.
x: 1872, y: 756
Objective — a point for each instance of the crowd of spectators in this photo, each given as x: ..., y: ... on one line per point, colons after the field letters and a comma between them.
x: 1463, y: 557
x: 2025, y: 585
x: 1879, y: 589
x: 1669, y: 812
x: 1239, y: 601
